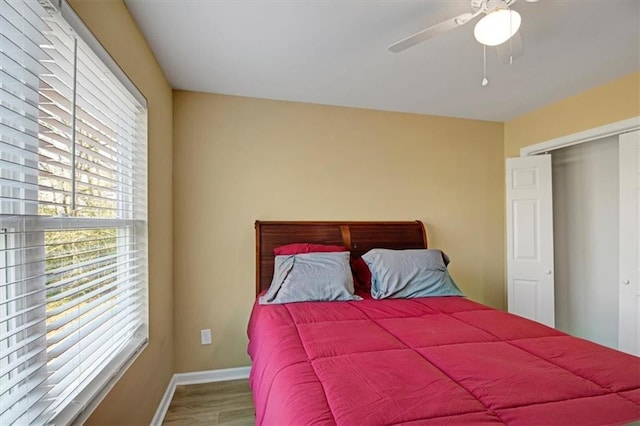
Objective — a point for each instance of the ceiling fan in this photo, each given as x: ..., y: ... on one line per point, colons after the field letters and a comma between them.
x: 498, y: 24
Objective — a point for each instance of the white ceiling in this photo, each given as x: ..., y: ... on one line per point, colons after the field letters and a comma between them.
x: 335, y: 52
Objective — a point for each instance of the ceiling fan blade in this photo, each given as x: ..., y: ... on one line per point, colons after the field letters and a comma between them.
x: 432, y: 31
x: 510, y: 49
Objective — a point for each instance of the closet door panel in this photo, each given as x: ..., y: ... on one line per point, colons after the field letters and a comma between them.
x: 629, y: 283
x: 530, y: 288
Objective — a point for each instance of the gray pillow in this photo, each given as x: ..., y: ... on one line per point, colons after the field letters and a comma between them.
x: 409, y: 273
x: 310, y: 277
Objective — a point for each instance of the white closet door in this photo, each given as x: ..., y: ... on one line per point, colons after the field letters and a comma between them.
x: 629, y: 287
x: 530, y: 288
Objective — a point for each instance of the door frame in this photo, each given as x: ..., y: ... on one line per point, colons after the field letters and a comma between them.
x: 612, y: 129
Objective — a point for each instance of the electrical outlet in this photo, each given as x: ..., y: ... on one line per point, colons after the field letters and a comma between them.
x: 205, y: 336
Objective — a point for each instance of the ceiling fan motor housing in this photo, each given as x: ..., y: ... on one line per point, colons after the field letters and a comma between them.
x: 488, y: 6
x: 477, y: 4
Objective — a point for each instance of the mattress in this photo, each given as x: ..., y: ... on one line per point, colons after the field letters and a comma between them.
x: 439, y: 360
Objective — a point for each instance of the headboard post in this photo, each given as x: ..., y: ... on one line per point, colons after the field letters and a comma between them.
x: 258, y: 263
x: 356, y: 237
x: 346, y: 236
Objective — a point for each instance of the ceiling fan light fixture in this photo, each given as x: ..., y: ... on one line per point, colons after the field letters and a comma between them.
x: 497, y: 27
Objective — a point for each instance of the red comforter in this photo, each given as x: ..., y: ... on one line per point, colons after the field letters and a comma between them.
x: 430, y: 361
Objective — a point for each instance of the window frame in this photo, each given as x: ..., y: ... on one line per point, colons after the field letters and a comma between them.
x: 25, y: 221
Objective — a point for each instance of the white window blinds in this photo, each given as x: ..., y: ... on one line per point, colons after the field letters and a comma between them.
x: 73, y: 218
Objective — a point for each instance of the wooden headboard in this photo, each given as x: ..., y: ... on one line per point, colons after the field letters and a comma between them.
x: 357, y: 237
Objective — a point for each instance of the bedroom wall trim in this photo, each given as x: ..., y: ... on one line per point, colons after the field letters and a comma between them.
x: 161, y: 411
x: 210, y: 376
x: 611, y: 129
x: 195, y: 378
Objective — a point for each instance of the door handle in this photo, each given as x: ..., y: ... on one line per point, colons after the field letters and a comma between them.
x: 548, y: 272
x: 625, y: 282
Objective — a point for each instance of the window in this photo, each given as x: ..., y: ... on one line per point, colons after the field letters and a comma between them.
x: 73, y: 216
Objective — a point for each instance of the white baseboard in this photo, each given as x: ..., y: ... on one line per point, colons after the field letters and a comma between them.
x: 194, y: 378
x: 210, y: 376
x: 164, y: 402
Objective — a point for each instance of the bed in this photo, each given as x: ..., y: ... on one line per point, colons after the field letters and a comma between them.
x: 420, y: 361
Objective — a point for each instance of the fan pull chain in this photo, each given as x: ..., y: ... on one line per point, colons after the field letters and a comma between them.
x: 484, y: 65
x: 510, y: 40
x: 510, y: 52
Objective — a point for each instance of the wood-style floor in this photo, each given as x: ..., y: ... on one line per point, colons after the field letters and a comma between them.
x: 221, y: 403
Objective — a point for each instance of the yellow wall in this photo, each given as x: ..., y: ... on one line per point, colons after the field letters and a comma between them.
x: 241, y: 159
x: 135, y: 397
x: 611, y: 102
